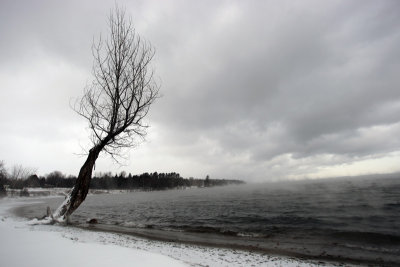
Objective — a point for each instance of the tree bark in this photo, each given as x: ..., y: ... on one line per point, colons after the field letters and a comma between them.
x: 80, y: 189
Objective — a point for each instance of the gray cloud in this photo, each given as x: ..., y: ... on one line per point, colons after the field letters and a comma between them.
x: 311, y: 77
x: 245, y: 84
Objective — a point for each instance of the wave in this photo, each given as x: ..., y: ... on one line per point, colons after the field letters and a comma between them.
x: 368, y: 238
x: 392, y: 206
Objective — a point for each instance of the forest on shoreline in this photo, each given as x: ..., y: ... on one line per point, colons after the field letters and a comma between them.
x: 107, y: 181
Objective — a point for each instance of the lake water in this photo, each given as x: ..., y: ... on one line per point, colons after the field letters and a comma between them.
x: 349, y: 220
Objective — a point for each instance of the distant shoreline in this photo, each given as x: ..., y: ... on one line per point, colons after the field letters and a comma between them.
x: 146, y: 182
x: 63, y: 191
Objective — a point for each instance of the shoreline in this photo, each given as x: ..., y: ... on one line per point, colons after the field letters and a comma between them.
x: 164, y: 236
x: 278, y: 246
x: 192, y: 253
x: 22, y: 244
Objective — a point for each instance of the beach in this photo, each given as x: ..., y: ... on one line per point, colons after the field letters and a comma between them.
x: 24, y: 244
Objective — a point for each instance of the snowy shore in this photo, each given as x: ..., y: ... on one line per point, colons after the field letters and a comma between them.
x: 22, y: 244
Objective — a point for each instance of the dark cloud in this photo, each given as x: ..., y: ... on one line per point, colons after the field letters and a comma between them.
x: 315, y: 73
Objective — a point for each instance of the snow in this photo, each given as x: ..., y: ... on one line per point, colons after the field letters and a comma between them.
x: 23, y: 244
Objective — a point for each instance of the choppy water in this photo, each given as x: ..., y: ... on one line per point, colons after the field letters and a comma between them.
x: 336, y: 219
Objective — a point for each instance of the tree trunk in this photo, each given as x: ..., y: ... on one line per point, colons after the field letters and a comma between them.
x: 80, y: 189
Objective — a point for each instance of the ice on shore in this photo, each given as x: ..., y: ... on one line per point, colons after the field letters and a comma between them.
x: 44, y: 245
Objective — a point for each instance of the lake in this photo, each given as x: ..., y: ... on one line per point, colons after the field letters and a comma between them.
x: 351, y: 220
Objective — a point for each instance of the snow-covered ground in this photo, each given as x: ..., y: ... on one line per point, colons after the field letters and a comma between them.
x: 22, y: 244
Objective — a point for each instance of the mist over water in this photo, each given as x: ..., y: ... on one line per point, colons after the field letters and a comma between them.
x: 340, y: 218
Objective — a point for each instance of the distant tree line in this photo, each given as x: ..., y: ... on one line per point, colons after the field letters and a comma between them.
x: 145, y: 181
x: 153, y: 181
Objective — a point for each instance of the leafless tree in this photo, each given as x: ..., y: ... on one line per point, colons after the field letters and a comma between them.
x: 117, y: 101
x: 3, y: 176
x: 3, y: 171
x: 21, y: 172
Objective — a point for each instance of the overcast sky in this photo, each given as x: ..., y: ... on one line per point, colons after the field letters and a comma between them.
x: 255, y: 90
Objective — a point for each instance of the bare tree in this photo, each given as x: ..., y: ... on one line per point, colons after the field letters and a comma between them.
x: 21, y: 172
x: 117, y: 101
x: 3, y: 171
x: 3, y: 177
